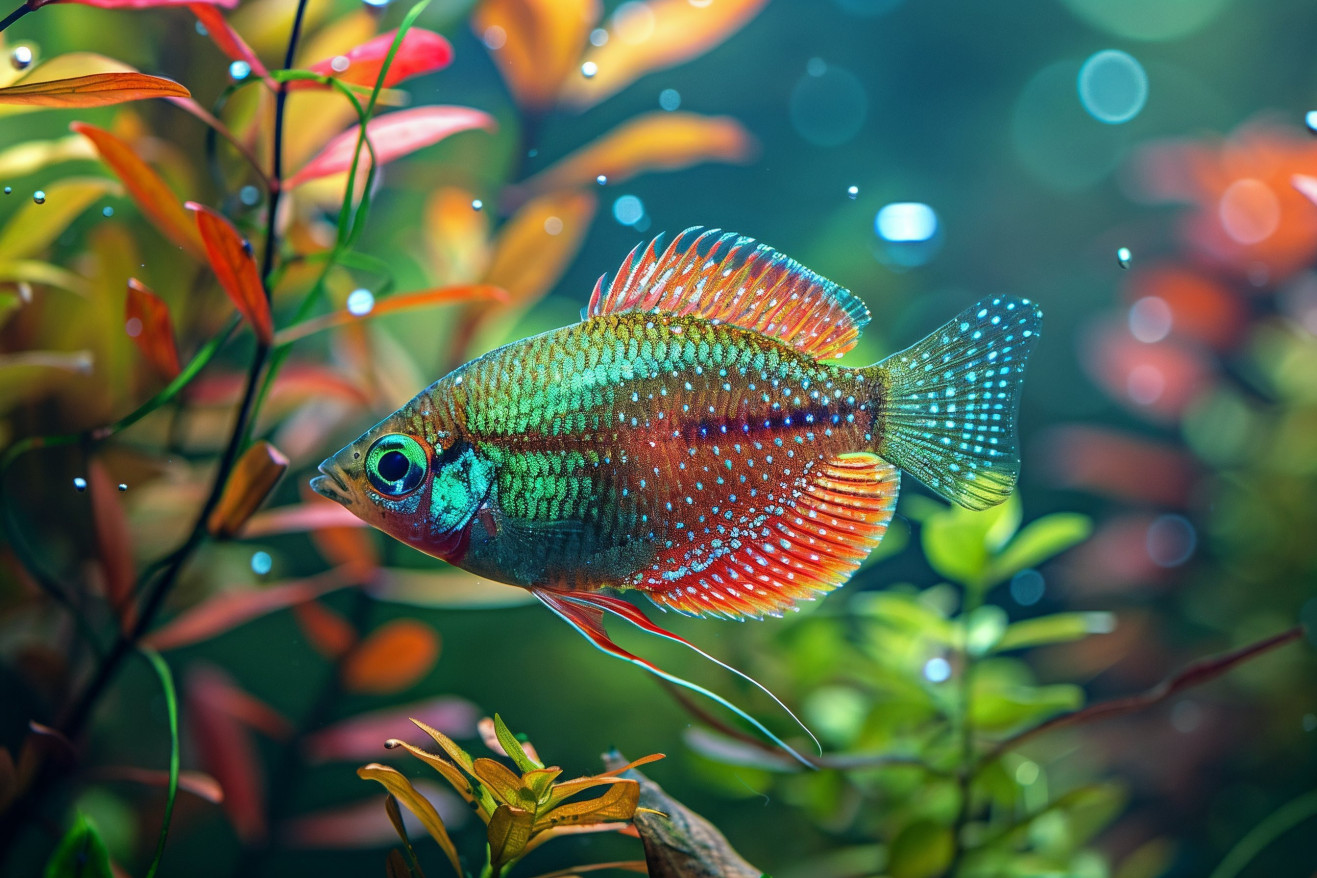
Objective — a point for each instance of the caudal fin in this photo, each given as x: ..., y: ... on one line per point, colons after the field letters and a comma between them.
x: 949, y: 402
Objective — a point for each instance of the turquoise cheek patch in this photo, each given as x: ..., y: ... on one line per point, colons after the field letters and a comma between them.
x: 457, y: 491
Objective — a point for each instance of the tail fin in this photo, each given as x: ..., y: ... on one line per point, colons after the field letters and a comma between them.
x: 949, y: 402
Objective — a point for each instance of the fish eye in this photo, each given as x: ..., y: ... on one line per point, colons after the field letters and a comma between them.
x: 396, y: 464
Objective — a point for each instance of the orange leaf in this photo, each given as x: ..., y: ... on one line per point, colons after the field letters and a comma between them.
x: 198, y: 783
x: 655, y: 141
x: 536, y: 43
x: 226, y: 38
x: 251, y: 481
x: 114, y: 544
x: 644, y: 37
x: 134, y: 4
x: 535, y: 247
x: 146, y: 317
x: 231, y: 259
x: 394, y: 657
x: 421, y: 52
x: 228, y: 610
x: 393, y: 135
x: 326, y: 630
x: 392, y: 305
x: 299, y: 518
x: 363, y: 736
x: 152, y: 194
x: 457, y: 236
x: 96, y: 90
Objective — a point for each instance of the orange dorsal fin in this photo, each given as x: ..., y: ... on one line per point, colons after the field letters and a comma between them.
x: 729, y: 278
x: 808, y: 546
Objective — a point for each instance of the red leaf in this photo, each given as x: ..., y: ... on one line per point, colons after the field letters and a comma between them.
x: 228, y: 610
x: 113, y: 541
x: 366, y: 824
x: 146, y: 317
x: 393, y: 135
x: 152, y: 194
x: 198, y: 783
x: 225, y: 748
x: 296, y: 383
x: 134, y: 4
x: 226, y: 37
x: 393, y: 304
x: 363, y: 736
x: 299, y: 518
x: 421, y: 52
x: 225, y: 695
x: 232, y: 261
x: 395, y: 657
x: 95, y: 90
x: 324, y: 629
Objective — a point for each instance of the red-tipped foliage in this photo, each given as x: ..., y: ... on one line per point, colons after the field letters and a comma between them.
x: 421, y: 52
x: 231, y: 259
x: 147, y: 321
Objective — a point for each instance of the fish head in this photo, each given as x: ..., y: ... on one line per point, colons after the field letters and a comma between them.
x: 415, y: 479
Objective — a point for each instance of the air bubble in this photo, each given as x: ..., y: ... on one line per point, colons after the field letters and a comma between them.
x: 262, y: 563
x: 360, y: 302
x: 107, y: 211
x: 589, y: 69
x: 598, y: 37
x: 937, y: 670
x: 249, y: 195
x: 852, y: 192
x: 602, y: 180
x: 1150, y: 319
x: 1310, y: 119
x: 39, y: 197
x: 239, y: 70
x: 340, y: 63
x: 1171, y: 540
x: 9, y: 190
x: 477, y: 204
x: 1123, y: 257
x: 1027, y: 587
x: 122, y: 487
x: 20, y: 58
x: 553, y: 225
x: 79, y: 484
x: 1113, y: 86
x: 908, y: 232
x: 628, y: 210
x: 495, y: 37
x: 669, y: 99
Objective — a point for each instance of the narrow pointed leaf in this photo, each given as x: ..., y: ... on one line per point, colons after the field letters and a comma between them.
x: 253, y: 478
x: 30, y: 156
x: 508, y: 831
x: 300, y: 518
x: 198, y: 783
x: 393, y: 658
x: 512, y: 748
x: 393, y: 305
x: 421, y: 52
x: 561, y: 792
x: 226, y: 38
x: 227, y: 752
x: 364, y: 824
x: 94, y: 90
x: 670, y: 33
x: 80, y: 854
x: 489, y: 734
x: 393, y: 135
x: 147, y: 319
x: 114, y: 544
x: 228, y: 610
x: 224, y: 695
x: 617, y: 803
x: 234, y: 265
x: 153, y: 196
x: 542, y: 45
x: 397, y: 784
x: 653, y: 142
x: 324, y: 629
x: 528, y: 257
x: 477, y: 797
x: 363, y: 736
x: 395, y: 866
x: 135, y: 4
x: 503, y: 783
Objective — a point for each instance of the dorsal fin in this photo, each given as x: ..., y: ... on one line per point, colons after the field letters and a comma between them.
x: 729, y: 278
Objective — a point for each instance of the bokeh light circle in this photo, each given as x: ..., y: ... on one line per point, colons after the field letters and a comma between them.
x: 1147, y: 19
x: 1171, y: 540
x: 828, y: 105
x: 1055, y: 139
x: 1113, y: 87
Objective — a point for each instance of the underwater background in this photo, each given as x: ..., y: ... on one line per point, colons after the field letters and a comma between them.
x: 1146, y: 170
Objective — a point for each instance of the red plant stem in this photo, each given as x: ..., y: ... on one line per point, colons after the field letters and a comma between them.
x: 15, y: 16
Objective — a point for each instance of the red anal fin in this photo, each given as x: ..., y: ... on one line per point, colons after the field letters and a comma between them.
x: 585, y: 613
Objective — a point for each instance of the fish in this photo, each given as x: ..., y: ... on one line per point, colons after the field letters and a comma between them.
x: 691, y: 440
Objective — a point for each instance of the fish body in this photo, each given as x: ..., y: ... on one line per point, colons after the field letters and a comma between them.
x: 690, y: 437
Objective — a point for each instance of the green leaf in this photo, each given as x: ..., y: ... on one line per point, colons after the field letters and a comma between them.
x: 509, y: 832
x: 921, y: 850
x: 906, y: 613
x: 34, y: 226
x: 162, y: 671
x: 81, y: 854
x: 984, y: 629
x: 512, y: 746
x: 959, y: 543
x: 1042, y: 539
x: 1056, y: 628
x: 997, y: 709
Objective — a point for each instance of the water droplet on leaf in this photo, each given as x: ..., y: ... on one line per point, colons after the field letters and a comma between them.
x: 9, y: 190
x: 589, y: 69
x: 360, y: 302
x: 107, y: 211
x: 1123, y: 257
x: 79, y: 484
x: 39, y: 197
x: 340, y: 63
x: 21, y: 58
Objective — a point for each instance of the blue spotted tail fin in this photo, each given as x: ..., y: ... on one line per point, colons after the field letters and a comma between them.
x: 949, y: 402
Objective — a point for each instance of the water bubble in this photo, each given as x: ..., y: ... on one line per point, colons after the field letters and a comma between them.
x: 1026, y: 773
x: 532, y: 152
x: 249, y: 195
x: 133, y: 327
x: 39, y: 197
x: 1054, y: 135
x: 602, y: 180
x: 598, y: 37
x: 1310, y: 119
x: 201, y: 29
x: 852, y: 192
x: 937, y: 670
x: 79, y: 484
x: 1171, y: 540
x: 1027, y: 587
x: 21, y: 58
x: 908, y: 233
x: 628, y: 210
x: 376, y: 4
x: 9, y: 190
x: 589, y: 69
x: 107, y: 211
x: 239, y: 70
x: 1150, y: 319
x: 1249, y: 211
x: 1113, y: 86
x: 495, y: 37
x: 552, y: 225
x: 828, y: 105
x: 669, y: 99
x: 339, y: 63
x: 477, y: 204
x: 360, y: 302
x: 1123, y: 257
x: 261, y: 563
x: 122, y: 487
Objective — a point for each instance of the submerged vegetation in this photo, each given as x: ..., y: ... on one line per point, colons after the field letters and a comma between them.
x: 215, y: 273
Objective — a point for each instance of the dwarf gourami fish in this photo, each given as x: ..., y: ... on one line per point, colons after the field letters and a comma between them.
x: 690, y: 440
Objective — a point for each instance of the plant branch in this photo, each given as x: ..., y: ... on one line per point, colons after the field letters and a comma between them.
x: 14, y: 16
x: 1196, y: 674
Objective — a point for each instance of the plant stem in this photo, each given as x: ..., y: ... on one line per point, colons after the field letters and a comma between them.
x: 965, y: 774
x: 14, y: 16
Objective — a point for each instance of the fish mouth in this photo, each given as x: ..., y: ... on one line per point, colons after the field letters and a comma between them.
x: 331, y: 484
